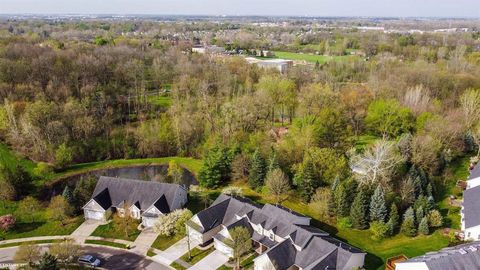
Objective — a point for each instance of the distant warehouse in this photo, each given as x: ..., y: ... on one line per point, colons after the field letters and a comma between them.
x: 281, y: 65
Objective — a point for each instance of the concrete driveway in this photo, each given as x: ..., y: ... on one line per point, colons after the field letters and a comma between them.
x: 144, y: 241
x: 175, y: 251
x: 114, y: 259
x: 85, y: 230
x: 213, y: 261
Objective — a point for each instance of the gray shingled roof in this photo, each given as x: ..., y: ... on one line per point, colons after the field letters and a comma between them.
x: 471, y: 198
x: 461, y: 257
x: 144, y: 193
x: 282, y: 255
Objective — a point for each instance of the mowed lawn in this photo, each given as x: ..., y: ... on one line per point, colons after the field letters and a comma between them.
x: 11, y: 159
x: 312, y: 58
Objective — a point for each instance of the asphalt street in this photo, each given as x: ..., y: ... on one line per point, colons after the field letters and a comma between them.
x: 111, y: 258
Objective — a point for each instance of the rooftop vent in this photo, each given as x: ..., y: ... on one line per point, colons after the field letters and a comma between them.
x: 462, y: 251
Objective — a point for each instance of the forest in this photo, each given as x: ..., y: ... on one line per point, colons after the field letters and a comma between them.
x: 365, y: 143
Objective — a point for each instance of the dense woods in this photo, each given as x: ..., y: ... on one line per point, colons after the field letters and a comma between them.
x: 366, y: 140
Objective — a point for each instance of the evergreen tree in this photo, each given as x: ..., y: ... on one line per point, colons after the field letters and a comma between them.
x: 48, y: 262
x: 429, y: 190
x: 423, y: 226
x: 210, y: 174
x: 257, y: 171
x: 393, y: 220
x: 408, y: 225
x: 68, y: 195
x: 378, y: 210
x: 420, y: 213
x: 358, y: 212
x: 341, y: 201
x: 273, y: 162
x: 331, y: 204
x: 304, y: 179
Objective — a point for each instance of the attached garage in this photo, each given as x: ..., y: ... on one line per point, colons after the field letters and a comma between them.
x: 92, y: 214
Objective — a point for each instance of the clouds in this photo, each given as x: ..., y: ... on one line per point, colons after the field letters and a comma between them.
x: 386, y: 8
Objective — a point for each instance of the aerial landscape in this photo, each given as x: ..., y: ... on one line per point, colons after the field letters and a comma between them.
x: 261, y: 135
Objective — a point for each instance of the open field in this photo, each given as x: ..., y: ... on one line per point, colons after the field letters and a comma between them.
x: 312, y: 58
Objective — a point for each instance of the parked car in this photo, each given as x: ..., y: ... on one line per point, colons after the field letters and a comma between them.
x: 89, y: 260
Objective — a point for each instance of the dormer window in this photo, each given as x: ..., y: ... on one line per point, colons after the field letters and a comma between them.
x: 272, y: 236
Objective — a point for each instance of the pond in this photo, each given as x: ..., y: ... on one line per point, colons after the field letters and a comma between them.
x: 143, y: 172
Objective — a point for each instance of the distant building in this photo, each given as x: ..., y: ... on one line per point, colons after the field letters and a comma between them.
x: 264, y: 53
x: 213, y: 49
x: 281, y: 65
x: 461, y: 257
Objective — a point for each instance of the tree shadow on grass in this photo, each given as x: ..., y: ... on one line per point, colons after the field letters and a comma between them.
x: 27, y: 227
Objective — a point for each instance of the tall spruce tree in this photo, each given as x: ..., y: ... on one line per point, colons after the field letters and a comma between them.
x: 331, y: 204
x: 341, y: 201
x: 378, y: 209
x: 210, y: 174
x: 408, y: 225
x: 68, y: 195
x: 358, y: 212
x: 257, y: 170
x: 393, y: 220
x: 273, y: 162
x: 305, y: 181
x: 423, y: 226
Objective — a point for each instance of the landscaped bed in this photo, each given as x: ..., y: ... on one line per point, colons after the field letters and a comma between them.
x: 106, y: 243
x: 110, y: 231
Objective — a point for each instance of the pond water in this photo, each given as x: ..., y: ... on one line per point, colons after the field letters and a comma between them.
x: 145, y: 172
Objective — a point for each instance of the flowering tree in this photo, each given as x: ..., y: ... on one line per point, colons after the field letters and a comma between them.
x: 7, y: 222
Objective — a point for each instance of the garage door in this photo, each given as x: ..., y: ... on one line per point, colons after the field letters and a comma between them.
x: 90, y: 214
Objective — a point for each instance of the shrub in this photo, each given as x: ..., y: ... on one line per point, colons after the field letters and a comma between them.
x: 7, y: 222
x: 42, y: 169
x: 423, y: 226
x: 435, y: 219
x: 379, y: 229
x: 344, y: 223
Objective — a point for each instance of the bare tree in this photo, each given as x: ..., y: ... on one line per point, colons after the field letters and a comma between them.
x: 27, y: 254
x: 417, y: 99
x: 470, y: 102
x: 377, y: 163
x: 277, y: 184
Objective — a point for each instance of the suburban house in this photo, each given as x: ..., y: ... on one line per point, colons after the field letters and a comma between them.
x: 282, y: 238
x: 212, y: 49
x: 470, y: 212
x: 279, y: 64
x: 146, y: 200
x: 461, y: 257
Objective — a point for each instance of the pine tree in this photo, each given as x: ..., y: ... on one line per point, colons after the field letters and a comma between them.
x: 420, y: 213
x: 408, y: 224
x: 332, y: 206
x: 358, y: 212
x: 378, y: 210
x: 306, y: 181
x: 257, y: 171
x: 68, y: 195
x: 341, y: 201
x: 423, y: 226
x: 210, y: 174
x: 393, y: 220
x: 273, y: 162
x: 429, y: 190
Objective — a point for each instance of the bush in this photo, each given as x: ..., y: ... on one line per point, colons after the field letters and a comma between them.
x: 7, y: 222
x: 435, y: 219
x: 344, y: 223
x: 379, y: 229
x: 42, y: 169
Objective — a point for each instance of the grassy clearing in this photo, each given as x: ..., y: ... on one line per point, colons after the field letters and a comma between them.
x: 160, y: 101
x: 11, y: 159
x: 106, y: 243
x: 312, y: 58
x: 164, y: 242
x: 37, y: 242
x: 197, y: 255
x: 111, y: 232
x: 177, y: 266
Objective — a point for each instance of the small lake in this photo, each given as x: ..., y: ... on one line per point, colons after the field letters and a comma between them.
x: 145, y: 172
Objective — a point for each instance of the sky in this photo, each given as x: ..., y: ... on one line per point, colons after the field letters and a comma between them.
x: 330, y: 8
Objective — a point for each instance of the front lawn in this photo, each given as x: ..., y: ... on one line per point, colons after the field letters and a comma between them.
x: 106, y: 243
x: 177, y: 266
x: 197, y: 255
x: 37, y: 224
x: 164, y: 242
x: 246, y: 263
x: 111, y: 232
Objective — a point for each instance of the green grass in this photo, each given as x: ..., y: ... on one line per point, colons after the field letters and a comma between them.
x: 311, y: 58
x: 111, y: 232
x: 37, y: 242
x: 11, y: 159
x: 160, y: 101
x: 197, y: 255
x: 245, y: 264
x: 151, y: 253
x: 164, y: 242
x: 364, y: 140
x: 177, y: 266
x: 191, y: 164
x: 106, y: 243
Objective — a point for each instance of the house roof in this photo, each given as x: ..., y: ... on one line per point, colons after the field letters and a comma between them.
x: 118, y: 191
x: 465, y: 256
x: 282, y: 255
x: 470, y: 207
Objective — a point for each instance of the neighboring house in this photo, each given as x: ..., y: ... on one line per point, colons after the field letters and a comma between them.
x: 146, y: 200
x: 213, y: 49
x: 284, y: 239
x: 279, y: 64
x: 470, y: 212
x: 461, y: 257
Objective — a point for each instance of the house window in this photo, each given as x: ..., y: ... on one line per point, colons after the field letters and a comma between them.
x: 469, y: 233
x: 272, y: 236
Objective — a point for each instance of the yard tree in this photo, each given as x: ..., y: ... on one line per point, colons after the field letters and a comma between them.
x: 18, y: 178
x: 341, y: 201
x: 258, y: 170
x: 359, y: 210
x: 408, y: 225
x: 378, y: 210
x: 435, y: 219
x: 48, y: 262
x: 305, y: 181
x: 470, y: 104
x: 59, y: 209
x: 28, y: 207
x: 7, y: 222
x: 233, y: 191
x: 241, y: 242
x: 240, y: 167
x: 172, y: 223
x: 183, y: 217
x: 175, y: 172
x: 423, y: 226
x: 393, y: 220
x: 278, y: 184
x: 65, y: 251
x: 332, y: 129
x: 68, y: 195
x: 379, y: 229
x: 273, y: 162
x: 83, y: 190
x: 63, y: 156
x: 27, y: 253
x: 388, y: 118
x: 125, y: 222
x: 7, y: 191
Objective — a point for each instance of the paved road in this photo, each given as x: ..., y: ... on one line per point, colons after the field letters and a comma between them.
x: 111, y: 259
